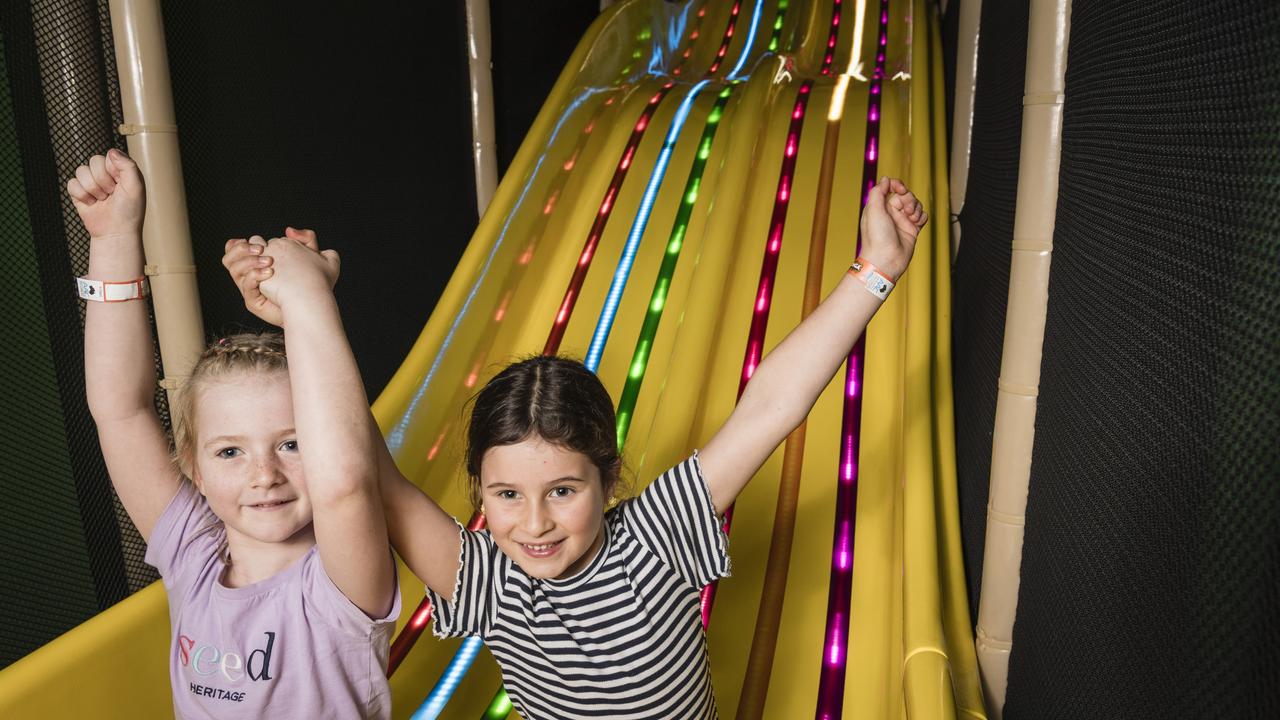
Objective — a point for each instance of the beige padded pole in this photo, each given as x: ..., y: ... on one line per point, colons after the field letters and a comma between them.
x: 484, y: 146
x: 1019, y: 383
x: 152, y: 133
x: 962, y: 116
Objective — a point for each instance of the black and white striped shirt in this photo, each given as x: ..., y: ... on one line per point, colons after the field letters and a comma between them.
x: 621, y: 639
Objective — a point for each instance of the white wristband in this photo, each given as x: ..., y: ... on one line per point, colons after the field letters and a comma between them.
x: 99, y: 291
x: 877, y: 283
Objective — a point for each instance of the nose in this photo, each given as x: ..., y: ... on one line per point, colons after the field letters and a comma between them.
x: 537, y: 520
x: 266, y: 472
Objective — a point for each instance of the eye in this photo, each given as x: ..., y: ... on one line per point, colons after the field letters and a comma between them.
x: 229, y: 452
x: 289, y: 446
x: 507, y: 494
x: 561, y: 492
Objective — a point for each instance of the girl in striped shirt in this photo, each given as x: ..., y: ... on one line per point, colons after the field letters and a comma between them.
x: 595, y: 613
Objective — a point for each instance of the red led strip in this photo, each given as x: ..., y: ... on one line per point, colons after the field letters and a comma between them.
x: 728, y: 37
x: 768, y: 274
x: 597, y: 228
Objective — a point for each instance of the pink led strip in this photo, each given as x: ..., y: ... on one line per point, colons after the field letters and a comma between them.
x: 830, y: 705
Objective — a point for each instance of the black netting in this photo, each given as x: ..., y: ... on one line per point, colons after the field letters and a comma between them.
x: 1150, y: 574
x: 62, y: 549
x: 981, y: 283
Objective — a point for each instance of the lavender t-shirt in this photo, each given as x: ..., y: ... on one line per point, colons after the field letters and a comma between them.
x: 290, y: 646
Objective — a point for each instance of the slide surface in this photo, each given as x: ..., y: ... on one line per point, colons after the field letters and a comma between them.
x: 657, y: 222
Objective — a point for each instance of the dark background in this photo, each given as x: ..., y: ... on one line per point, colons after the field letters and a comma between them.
x: 354, y: 122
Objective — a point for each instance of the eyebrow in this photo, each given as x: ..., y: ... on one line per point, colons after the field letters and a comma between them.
x: 240, y: 438
x: 566, y: 478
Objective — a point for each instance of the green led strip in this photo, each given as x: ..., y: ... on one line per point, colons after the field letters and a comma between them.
x: 777, y: 26
x: 499, y: 708
x: 658, y: 300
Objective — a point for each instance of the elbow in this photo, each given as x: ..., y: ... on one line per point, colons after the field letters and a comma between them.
x: 341, y: 484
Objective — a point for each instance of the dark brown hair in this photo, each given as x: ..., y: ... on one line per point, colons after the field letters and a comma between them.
x: 556, y: 399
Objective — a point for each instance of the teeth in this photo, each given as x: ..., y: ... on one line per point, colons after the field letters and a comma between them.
x: 540, y: 548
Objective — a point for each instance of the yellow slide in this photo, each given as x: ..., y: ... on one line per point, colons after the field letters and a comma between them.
x: 673, y: 234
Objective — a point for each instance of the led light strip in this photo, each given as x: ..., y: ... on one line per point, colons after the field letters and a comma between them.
x: 623, y: 271
x: 777, y: 26
x: 693, y: 35
x: 832, y: 35
x: 602, y: 219
x: 728, y: 37
x: 751, y: 40
x: 768, y: 273
x: 675, y: 242
x: 830, y: 703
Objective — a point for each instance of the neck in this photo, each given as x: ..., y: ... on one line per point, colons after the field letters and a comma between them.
x: 254, y: 561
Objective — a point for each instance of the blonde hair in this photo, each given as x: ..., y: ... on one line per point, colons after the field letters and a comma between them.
x: 243, y: 353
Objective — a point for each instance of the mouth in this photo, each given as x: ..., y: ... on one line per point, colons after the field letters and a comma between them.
x: 270, y: 505
x: 543, y: 550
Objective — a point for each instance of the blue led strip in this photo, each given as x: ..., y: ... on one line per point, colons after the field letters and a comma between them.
x: 395, y: 439
x: 623, y: 271
x: 458, y: 667
x: 751, y: 39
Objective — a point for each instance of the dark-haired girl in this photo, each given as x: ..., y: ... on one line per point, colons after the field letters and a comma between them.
x: 595, y: 613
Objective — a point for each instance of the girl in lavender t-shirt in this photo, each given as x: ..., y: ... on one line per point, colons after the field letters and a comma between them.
x: 269, y: 532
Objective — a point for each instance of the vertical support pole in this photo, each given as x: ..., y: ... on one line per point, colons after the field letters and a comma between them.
x: 962, y: 116
x: 152, y: 131
x: 1014, y: 435
x: 484, y: 146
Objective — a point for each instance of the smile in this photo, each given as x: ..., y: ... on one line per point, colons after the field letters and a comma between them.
x: 541, y: 551
x: 270, y: 505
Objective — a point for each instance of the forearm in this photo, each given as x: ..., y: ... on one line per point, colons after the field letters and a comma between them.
x: 789, y: 379
x: 424, y: 535
x: 119, y: 363
x: 330, y: 407
x: 784, y: 388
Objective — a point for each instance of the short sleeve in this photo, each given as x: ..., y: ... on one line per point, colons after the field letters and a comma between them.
x: 676, y: 520
x: 186, y: 537
x: 475, y: 590
x: 327, y: 600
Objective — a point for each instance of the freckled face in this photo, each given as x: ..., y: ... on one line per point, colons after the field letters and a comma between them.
x: 544, y: 506
x: 247, y: 463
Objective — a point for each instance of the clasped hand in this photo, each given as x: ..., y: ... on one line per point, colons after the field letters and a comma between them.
x: 272, y: 274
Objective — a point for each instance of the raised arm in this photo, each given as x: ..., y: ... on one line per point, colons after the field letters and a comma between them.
x: 425, y: 535
x: 421, y: 531
x: 330, y: 412
x: 788, y: 381
x: 119, y: 365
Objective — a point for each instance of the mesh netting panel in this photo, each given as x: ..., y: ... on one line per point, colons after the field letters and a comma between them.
x: 62, y: 558
x: 981, y: 283
x: 1150, y: 574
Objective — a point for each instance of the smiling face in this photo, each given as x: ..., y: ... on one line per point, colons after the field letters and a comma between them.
x: 246, y: 460
x: 544, y: 506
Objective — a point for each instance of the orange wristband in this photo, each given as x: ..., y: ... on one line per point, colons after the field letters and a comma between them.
x: 876, y: 282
